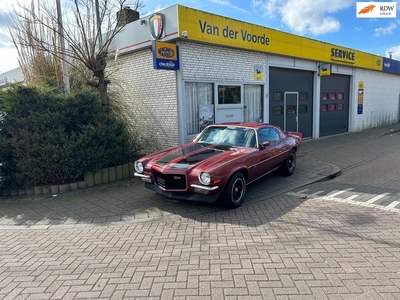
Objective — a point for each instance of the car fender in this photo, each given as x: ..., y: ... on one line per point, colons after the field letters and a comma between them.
x: 227, y: 174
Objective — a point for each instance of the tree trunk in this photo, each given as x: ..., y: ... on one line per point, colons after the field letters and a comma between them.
x: 102, y: 88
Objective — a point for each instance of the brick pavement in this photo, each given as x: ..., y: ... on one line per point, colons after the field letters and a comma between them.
x: 98, y: 244
x: 285, y: 248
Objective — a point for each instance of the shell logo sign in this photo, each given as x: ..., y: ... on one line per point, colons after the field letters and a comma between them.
x: 376, y: 10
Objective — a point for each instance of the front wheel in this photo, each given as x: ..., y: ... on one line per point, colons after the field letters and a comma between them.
x: 289, y: 164
x: 233, y: 194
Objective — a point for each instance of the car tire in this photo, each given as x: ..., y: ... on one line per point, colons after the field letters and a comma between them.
x: 289, y: 164
x: 234, y: 192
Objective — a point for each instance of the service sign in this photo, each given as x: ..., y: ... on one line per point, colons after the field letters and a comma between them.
x: 165, y: 56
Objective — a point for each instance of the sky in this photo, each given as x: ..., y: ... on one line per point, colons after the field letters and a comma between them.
x: 331, y: 21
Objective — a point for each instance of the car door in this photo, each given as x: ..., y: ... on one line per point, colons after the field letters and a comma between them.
x: 271, y: 155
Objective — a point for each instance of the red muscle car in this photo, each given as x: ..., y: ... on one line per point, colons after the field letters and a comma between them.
x: 220, y: 162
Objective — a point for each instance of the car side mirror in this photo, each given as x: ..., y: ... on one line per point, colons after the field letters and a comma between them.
x: 265, y: 144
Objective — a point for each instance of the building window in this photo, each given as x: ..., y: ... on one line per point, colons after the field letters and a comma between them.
x: 199, y: 98
x: 278, y: 110
x: 278, y: 96
x: 253, y: 103
x: 228, y: 94
x: 303, y: 96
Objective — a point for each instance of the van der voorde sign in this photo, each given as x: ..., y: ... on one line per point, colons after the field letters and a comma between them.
x: 229, y: 33
x: 156, y: 25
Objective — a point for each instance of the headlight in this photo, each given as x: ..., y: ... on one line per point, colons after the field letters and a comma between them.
x: 205, y: 178
x: 138, y: 167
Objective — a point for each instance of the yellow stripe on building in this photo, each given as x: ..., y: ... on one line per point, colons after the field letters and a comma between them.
x: 209, y: 28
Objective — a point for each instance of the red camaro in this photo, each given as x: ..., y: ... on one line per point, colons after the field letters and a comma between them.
x: 220, y: 162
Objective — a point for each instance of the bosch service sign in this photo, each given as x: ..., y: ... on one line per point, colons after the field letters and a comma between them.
x: 165, y: 56
x: 156, y: 25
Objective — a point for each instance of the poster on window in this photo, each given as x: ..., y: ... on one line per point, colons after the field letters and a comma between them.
x: 206, y: 115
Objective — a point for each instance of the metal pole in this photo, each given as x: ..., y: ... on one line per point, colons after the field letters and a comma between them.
x: 63, y: 56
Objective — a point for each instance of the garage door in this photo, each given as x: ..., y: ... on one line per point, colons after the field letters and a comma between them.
x: 291, y: 99
x: 334, y: 117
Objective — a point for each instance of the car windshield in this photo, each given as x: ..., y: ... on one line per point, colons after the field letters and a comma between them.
x: 229, y: 136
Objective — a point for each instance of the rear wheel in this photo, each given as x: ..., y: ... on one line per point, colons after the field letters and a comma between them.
x: 234, y: 192
x: 289, y: 164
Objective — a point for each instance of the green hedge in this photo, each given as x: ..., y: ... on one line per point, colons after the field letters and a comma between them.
x: 47, y: 137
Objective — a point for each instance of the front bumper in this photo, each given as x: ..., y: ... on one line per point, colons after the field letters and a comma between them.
x: 184, y: 195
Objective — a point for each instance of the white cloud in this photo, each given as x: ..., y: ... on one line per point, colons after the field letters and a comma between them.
x: 385, y: 30
x: 313, y: 17
x: 394, y: 51
x: 228, y: 4
x: 268, y: 8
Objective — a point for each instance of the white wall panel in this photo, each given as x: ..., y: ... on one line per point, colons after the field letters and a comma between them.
x: 381, y: 99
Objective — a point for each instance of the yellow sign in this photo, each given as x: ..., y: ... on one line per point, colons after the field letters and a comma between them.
x: 166, y: 50
x: 209, y: 28
x: 259, y: 72
x: 324, y: 70
x: 343, y: 55
x: 165, y: 56
x: 360, y: 99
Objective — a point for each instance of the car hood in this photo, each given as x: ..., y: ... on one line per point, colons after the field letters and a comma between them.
x: 204, y: 156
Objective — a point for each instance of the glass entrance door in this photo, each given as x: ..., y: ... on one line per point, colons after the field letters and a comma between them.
x: 291, y: 111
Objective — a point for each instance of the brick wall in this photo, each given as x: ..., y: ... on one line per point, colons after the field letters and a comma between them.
x: 149, y: 96
x: 207, y: 62
x: 381, y: 99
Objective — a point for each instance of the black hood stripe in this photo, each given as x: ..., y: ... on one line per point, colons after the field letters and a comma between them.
x: 192, y: 154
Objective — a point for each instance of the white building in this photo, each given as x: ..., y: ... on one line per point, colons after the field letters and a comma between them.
x: 216, y: 69
x: 12, y: 76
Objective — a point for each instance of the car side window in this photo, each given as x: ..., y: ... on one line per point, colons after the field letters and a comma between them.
x: 274, y: 135
x: 268, y: 134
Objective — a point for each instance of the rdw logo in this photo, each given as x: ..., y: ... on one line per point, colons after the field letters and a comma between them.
x: 367, y: 9
x: 376, y: 9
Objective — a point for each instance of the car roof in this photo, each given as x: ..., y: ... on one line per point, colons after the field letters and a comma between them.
x: 254, y: 125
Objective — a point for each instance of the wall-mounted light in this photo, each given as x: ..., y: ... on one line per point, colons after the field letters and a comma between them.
x: 142, y: 22
x: 185, y: 34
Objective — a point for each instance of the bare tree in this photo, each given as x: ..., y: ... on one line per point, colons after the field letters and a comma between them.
x: 88, y: 29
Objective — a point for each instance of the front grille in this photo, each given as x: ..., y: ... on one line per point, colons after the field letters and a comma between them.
x: 170, y: 181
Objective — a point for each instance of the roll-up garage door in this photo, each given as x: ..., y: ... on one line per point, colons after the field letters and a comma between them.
x: 334, y: 104
x: 291, y: 100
